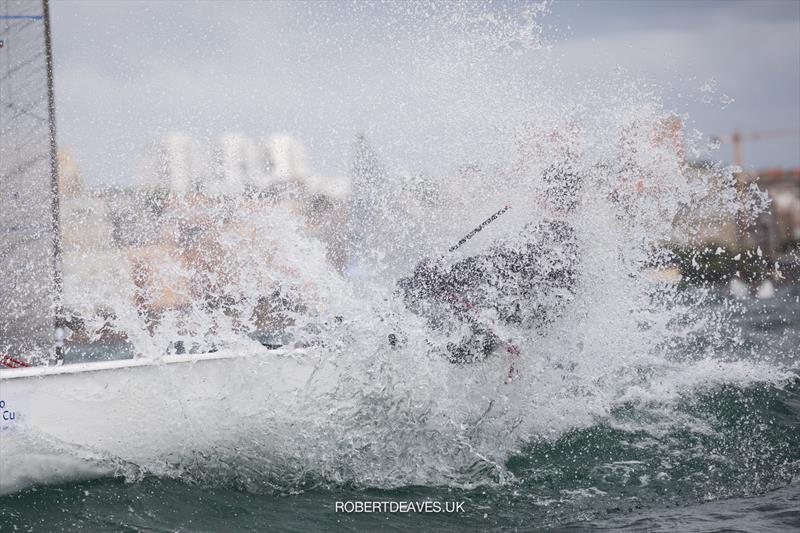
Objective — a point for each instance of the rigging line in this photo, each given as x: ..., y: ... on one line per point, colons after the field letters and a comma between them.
x: 21, y: 111
x: 21, y: 65
x: 20, y: 29
x: 25, y: 227
x: 25, y: 166
x: 55, y: 203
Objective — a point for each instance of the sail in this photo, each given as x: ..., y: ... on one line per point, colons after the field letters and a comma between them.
x: 29, y: 205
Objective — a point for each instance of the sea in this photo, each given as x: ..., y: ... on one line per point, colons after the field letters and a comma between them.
x: 629, y: 403
x: 722, y: 455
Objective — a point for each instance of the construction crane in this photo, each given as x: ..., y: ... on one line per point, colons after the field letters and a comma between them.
x: 736, y: 138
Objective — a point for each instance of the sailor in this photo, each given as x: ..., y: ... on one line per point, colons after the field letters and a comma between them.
x: 525, y: 281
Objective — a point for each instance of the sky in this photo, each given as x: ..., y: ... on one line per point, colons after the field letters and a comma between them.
x: 127, y: 72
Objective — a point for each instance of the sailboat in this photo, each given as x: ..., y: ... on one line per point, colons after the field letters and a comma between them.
x: 48, y: 408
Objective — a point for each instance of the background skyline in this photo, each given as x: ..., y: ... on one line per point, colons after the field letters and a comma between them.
x: 126, y: 72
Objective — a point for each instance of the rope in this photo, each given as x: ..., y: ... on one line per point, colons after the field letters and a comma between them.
x: 10, y: 362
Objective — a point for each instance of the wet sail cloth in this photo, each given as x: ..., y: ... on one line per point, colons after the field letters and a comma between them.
x: 28, y: 236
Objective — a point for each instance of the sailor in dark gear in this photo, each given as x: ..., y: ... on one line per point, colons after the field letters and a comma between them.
x: 524, y: 281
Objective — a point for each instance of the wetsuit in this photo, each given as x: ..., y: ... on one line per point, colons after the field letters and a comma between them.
x: 525, y: 281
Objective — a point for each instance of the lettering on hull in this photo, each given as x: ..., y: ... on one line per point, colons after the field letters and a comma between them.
x: 9, y: 416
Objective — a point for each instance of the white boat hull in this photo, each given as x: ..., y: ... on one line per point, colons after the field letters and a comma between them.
x: 64, y: 422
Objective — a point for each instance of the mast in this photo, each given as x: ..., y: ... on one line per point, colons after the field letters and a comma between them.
x: 58, y: 311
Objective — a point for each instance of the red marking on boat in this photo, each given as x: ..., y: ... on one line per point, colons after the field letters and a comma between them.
x: 10, y: 362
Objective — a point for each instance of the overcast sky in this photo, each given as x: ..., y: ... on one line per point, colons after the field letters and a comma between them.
x: 129, y: 71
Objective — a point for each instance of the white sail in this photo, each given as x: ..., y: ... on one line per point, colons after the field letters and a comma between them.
x: 28, y: 186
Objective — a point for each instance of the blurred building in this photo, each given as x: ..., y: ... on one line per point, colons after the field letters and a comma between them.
x: 775, y: 231
x: 190, y: 193
x: 176, y: 162
x: 93, y: 270
x: 70, y: 183
x: 230, y: 165
x: 286, y: 155
x: 123, y: 242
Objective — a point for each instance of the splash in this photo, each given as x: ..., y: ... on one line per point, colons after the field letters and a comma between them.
x: 480, y: 90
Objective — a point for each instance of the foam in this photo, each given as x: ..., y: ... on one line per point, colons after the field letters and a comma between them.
x: 405, y: 416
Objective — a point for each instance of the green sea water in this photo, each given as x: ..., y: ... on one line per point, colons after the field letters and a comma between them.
x: 722, y: 457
